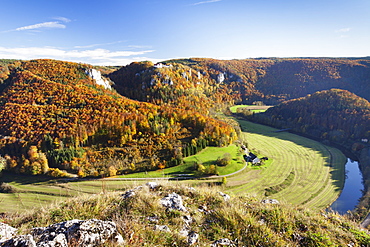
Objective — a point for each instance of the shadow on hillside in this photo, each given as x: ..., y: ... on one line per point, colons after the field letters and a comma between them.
x: 8, y: 177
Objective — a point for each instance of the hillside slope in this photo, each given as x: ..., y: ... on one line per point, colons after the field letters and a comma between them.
x: 175, y: 85
x: 163, y: 215
x: 54, y: 115
x: 336, y: 115
x: 273, y: 80
x: 55, y: 108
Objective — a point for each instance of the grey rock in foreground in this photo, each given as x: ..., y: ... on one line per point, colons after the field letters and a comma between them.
x: 21, y: 241
x: 192, y: 238
x: 6, y: 232
x: 87, y: 233
x: 152, y: 185
x: 270, y: 201
x: 173, y: 201
x: 225, y: 196
x: 162, y: 228
x: 222, y: 242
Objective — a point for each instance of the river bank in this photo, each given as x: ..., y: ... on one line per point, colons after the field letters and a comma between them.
x: 352, y: 190
x: 363, y: 207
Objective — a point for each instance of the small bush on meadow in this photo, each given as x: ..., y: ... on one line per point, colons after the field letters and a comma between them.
x: 225, y: 160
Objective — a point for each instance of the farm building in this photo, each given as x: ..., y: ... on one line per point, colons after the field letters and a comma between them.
x: 252, y: 158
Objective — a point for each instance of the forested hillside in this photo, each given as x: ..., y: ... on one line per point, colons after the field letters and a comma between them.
x: 173, y: 85
x: 53, y: 117
x: 336, y: 115
x: 273, y: 80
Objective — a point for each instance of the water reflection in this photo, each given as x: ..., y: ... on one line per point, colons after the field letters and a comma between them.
x: 352, y: 190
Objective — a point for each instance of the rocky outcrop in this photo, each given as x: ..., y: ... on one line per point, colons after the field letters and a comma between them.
x: 96, y: 75
x: 220, y: 78
x: 192, y: 238
x: 153, y: 215
x: 6, y: 232
x: 225, y: 196
x: 22, y: 241
x: 270, y: 201
x: 162, y: 228
x: 223, y: 242
x: 128, y: 194
x: 173, y: 201
x: 152, y: 185
x: 85, y: 233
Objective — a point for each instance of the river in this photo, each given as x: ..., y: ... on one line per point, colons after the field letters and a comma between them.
x: 352, y: 190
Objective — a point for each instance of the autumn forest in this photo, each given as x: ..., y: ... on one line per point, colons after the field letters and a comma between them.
x: 56, y: 120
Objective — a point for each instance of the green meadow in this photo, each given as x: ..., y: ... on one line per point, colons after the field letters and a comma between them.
x: 298, y: 171
x: 253, y: 108
x: 301, y: 172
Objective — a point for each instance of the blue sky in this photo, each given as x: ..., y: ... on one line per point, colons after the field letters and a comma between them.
x: 117, y: 32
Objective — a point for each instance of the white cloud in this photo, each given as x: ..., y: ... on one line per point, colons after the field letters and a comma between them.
x: 343, y: 30
x: 50, y: 24
x: 92, y: 56
x: 62, y: 19
x: 204, y: 2
x: 140, y: 46
x: 95, y: 45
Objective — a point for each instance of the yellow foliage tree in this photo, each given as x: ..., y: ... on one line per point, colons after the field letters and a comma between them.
x: 112, y: 171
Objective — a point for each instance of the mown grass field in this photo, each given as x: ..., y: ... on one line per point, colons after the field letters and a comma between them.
x: 299, y: 171
x: 302, y: 171
x: 253, y: 108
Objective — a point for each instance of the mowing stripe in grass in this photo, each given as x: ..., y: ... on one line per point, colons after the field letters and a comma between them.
x: 318, y: 169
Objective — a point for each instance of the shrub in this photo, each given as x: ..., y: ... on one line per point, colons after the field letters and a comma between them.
x: 56, y: 173
x: 7, y: 188
x: 225, y: 160
x: 212, y: 170
x: 201, y: 168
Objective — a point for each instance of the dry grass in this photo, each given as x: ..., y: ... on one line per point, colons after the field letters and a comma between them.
x: 243, y: 219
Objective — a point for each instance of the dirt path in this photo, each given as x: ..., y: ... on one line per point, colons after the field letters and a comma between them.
x: 171, y: 178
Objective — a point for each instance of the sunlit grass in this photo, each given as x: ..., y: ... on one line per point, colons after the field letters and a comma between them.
x: 316, y: 183
x: 253, y: 108
x: 242, y: 219
x: 318, y: 169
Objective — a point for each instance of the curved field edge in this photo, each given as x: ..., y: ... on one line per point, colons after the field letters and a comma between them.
x: 319, y: 170
x: 207, y: 157
x: 317, y: 182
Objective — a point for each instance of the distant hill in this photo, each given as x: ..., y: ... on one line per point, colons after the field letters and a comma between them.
x: 54, y: 115
x: 173, y: 84
x: 335, y: 114
x: 155, y: 111
x: 203, y: 83
x: 273, y: 80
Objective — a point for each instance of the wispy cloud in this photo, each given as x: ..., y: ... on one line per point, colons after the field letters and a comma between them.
x: 204, y: 2
x: 101, y: 44
x: 62, y: 19
x: 343, y: 30
x: 140, y: 46
x: 50, y: 24
x: 92, y: 56
x: 43, y: 25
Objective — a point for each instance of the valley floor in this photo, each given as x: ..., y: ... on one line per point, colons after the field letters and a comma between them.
x: 299, y: 171
x: 302, y: 171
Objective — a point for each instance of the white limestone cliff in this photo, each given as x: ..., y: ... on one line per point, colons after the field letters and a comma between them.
x: 96, y: 75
